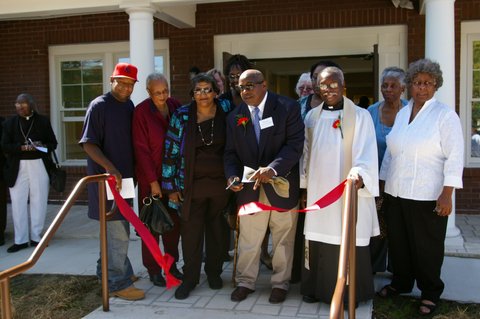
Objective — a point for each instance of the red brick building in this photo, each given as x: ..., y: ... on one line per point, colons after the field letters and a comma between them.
x: 43, y: 49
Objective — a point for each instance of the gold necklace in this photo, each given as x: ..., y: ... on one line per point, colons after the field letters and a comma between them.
x: 211, y: 134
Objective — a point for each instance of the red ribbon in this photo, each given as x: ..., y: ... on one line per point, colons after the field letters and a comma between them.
x: 329, y: 198
x: 165, y: 261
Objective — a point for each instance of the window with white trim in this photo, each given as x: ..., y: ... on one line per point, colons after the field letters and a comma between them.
x: 78, y: 74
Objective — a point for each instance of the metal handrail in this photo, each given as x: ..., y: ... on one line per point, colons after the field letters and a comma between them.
x: 6, y: 275
x: 347, y: 258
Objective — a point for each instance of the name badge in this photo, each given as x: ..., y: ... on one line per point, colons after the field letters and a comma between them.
x: 266, y: 123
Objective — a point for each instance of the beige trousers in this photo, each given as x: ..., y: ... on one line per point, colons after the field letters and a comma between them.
x: 252, y: 230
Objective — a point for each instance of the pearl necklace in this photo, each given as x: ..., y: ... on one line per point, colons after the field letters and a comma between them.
x: 211, y: 134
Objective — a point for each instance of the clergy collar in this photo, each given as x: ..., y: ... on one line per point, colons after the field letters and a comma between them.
x: 338, y: 106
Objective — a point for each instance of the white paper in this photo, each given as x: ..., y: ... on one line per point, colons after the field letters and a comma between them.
x: 266, y: 123
x: 247, y: 173
x: 128, y: 189
x: 41, y: 148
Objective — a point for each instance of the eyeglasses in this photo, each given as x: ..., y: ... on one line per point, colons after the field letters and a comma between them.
x: 234, y: 76
x: 332, y: 85
x: 248, y: 86
x: 427, y: 84
x: 202, y: 91
x: 158, y: 94
x: 123, y: 84
x: 305, y: 88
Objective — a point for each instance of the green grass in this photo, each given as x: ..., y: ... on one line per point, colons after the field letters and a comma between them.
x: 73, y: 297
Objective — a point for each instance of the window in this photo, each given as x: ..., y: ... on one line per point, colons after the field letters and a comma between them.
x: 78, y: 74
x: 470, y: 91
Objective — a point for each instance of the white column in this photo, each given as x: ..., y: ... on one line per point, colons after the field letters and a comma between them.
x: 440, y: 47
x: 141, y: 47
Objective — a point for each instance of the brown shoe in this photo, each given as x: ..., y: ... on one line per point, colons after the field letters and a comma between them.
x: 129, y: 293
x: 240, y: 293
x: 278, y: 295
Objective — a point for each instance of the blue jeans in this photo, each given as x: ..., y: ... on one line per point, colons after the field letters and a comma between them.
x: 119, y: 267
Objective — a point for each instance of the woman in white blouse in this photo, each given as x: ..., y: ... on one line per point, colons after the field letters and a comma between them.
x: 423, y: 164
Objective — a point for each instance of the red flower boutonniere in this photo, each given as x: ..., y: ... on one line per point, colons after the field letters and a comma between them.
x: 338, y: 124
x: 242, y: 120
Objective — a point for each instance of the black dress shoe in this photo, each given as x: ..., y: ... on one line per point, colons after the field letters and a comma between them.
x: 215, y: 282
x: 14, y: 248
x: 175, y: 272
x: 33, y: 243
x: 158, y: 280
x: 240, y: 293
x: 183, y: 291
x: 277, y: 296
x: 309, y: 299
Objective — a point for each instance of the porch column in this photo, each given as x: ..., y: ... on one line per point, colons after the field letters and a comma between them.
x: 440, y: 47
x: 141, y: 46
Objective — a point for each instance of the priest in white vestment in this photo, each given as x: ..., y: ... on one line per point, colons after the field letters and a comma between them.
x: 340, y: 142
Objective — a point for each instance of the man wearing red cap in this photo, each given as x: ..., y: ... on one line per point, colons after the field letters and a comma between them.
x: 107, y: 140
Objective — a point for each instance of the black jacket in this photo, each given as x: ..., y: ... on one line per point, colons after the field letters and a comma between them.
x: 13, y: 139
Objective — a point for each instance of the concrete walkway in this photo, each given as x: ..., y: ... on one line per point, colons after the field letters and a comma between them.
x: 74, y: 250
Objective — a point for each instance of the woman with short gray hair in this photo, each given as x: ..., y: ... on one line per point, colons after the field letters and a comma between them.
x: 422, y: 166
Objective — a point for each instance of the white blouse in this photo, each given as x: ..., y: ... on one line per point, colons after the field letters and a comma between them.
x: 425, y: 155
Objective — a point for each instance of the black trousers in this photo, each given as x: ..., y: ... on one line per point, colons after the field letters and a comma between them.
x: 3, y: 209
x: 416, y: 238
x: 206, y: 221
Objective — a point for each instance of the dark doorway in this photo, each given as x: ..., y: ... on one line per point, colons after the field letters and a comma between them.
x: 282, y: 74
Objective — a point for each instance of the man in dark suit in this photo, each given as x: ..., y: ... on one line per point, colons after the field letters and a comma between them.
x: 265, y: 133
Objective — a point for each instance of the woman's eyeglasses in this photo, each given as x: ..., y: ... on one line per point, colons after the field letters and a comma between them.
x: 202, y: 91
x: 234, y: 76
x: 426, y: 84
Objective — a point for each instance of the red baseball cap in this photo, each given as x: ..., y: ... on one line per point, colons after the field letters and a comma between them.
x: 125, y: 70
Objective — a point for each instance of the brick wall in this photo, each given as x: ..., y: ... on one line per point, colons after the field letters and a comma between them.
x: 24, y: 54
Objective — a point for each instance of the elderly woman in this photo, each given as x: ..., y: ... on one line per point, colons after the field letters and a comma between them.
x: 304, y: 85
x: 27, y: 141
x: 383, y: 114
x: 194, y: 179
x: 149, y: 127
x: 423, y: 164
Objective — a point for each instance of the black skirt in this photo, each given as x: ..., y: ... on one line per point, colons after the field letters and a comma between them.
x: 320, y: 280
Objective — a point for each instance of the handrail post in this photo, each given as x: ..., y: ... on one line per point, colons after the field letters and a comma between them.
x: 352, y: 268
x: 5, y: 294
x: 103, y: 244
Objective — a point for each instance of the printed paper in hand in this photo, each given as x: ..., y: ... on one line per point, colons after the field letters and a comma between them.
x: 128, y: 189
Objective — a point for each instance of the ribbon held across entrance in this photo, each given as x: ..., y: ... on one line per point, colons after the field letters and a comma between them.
x: 329, y: 198
x: 163, y: 260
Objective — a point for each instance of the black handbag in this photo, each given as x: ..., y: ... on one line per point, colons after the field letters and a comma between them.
x: 58, y: 176
x: 155, y: 216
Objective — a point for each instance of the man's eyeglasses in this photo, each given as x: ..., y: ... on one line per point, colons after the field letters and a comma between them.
x: 202, y: 91
x: 332, y: 85
x: 234, y: 76
x: 248, y: 86
x: 426, y: 84
x: 123, y: 84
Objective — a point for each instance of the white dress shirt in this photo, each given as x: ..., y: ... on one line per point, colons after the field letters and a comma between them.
x: 425, y: 155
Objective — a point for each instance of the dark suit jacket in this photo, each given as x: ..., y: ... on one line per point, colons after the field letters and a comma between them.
x: 12, y: 141
x: 281, y: 147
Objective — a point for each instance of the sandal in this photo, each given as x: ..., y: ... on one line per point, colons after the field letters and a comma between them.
x: 387, y: 292
x: 426, y: 309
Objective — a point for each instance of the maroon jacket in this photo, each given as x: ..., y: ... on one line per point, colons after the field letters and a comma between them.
x: 149, y: 129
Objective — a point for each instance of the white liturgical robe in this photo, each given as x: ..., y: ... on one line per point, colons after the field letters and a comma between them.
x: 322, y: 168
